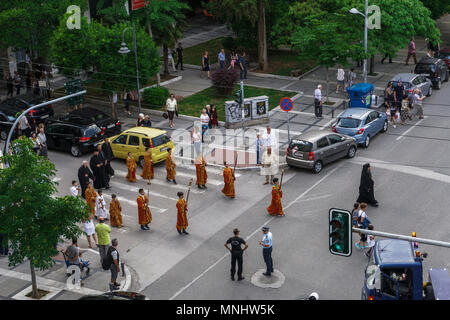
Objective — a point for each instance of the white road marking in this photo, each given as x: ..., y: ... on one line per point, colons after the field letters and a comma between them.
x: 136, y: 189
x: 317, y: 197
x: 288, y: 85
x: 133, y: 203
x: 253, y: 233
x: 412, y: 127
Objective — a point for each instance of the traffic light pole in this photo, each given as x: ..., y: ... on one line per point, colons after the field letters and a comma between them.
x: 402, y: 237
x: 33, y: 108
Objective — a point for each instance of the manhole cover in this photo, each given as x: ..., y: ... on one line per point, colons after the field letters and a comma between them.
x: 275, y: 281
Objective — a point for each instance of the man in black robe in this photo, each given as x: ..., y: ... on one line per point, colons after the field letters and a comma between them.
x: 108, y: 155
x: 366, y: 187
x: 84, y: 174
x: 97, y: 164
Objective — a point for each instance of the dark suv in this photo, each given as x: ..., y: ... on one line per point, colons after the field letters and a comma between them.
x: 106, y: 123
x: 76, y: 136
x: 435, y: 69
x: 7, y: 118
x: 23, y: 102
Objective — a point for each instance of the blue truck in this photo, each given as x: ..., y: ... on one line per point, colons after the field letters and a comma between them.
x: 395, y: 272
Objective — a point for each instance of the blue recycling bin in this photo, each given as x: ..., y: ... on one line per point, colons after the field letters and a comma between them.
x: 360, y: 95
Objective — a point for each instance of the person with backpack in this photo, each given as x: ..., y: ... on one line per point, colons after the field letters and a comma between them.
x: 363, y: 223
x: 112, y: 263
x: 355, y: 212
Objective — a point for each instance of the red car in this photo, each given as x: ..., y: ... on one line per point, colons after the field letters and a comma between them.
x: 444, y: 54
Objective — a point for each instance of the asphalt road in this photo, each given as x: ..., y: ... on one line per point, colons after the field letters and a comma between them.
x: 411, y: 173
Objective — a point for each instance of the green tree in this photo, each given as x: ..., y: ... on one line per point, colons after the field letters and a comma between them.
x: 437, y: 7
x: 31, y: 217
x: 29, y: 24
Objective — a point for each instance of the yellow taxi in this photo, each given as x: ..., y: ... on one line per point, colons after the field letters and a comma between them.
x: 137, y: 140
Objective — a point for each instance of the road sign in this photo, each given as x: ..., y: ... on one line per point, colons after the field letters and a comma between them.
x: 340, y: 232
x: 286, y: 104
x: 138, y: 4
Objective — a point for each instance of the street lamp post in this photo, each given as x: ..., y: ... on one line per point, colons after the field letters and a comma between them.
x: 124, y: 50
x: 356, y: 11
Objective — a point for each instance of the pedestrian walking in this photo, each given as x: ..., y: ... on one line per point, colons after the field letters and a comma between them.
x: 179, y: 56
x: 351, y: 77
x: 243, y: 66
x: 24, y: 126
x: 91, y: 197
x: 170, y: 58
x: 36, y: 143
x: 107, y: 153
x: 126, y: 97
x: 205, y: 64
x: 170, y: 167
x: 228, y: 179
x: 43, y: 141
x: 100, y: 206
x: 387, y: 55
x: 370, y: 242
x: 16, y: 81
x: 112, y: 256
x: 258, y: 144
x: 221, y: 58
x: 340, y: 78
x: 103, y: 231
x: 147, y: 123
x: 140, y: 120
x: 89, y: 230
x: 411, y: 51
x: 355, y: 211
x: 269, y: 139
x: 197, y: 140
x: 147, y: 170
x: 9, y: 85
x: 237, y: 252
x: 204, y: 120
x: 269, y: 166
x: 84, y: 174
x: 275, y: 208
x: 131, y: 165
x: 417, y: 103
x: 234, y: 59
x: 4, y: 249
x: 115, y: 212
x: 144, y: 213
x: 171, y: 108
x: 208, y: 112
x: 97, y: 164
x: 182, y: 221
x: 106, y: 167
x: 390, y: 103
x: 74, y: 189
x: 399, y: 94
x: 200, y: 170
x: 366, y: 187
x: 363, y: 223
x: 404, y: 111
x: 214, y: 121
x: 318, y: 105
x: 266, y: 243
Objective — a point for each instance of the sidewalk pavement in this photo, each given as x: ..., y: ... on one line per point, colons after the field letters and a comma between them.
x: 15, y: 282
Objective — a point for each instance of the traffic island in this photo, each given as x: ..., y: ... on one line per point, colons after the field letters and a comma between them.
x: 275, y: 281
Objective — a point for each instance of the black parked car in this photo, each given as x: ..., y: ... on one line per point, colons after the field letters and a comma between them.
x: 7, y: 118
x: 105, y: 122
x: 77, y: 135
x: 23, y: 102
x: 435, y: 69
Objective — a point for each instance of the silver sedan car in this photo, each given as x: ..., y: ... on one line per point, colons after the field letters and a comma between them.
x: 313, y: 149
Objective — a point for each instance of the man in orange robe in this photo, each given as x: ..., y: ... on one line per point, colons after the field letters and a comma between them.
x: 182, y: 222
x: 228, y: 178
x: 275, y: 208
x: 200, y: 168
x: 115, y: 212
x: 170, y: 167
x: 147, y: 171
x: 131, y: 164
x: 91, y: 197
x: 145, y: 216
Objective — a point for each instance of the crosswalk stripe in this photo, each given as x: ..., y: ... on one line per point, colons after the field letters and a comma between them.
x: 209, y: 181
x: 133, y: 203
x: 136, y: 189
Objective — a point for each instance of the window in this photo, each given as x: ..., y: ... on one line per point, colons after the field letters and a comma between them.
x: 397, y: 280
x: 160, y: 140
x: 322, y: 142
x: 56, y: 129
x: 92, y: 130
x: 416, y: 81
x: 133, y: 141
x: 121, y: 139
x: 334, y: 138
x: 146, y: 142
x: 374, y: 115
x: 300, y: 145
x: 423, y: 79
x: 348, y: 123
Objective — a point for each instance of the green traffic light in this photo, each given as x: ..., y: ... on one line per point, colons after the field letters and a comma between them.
x: 340, y: 234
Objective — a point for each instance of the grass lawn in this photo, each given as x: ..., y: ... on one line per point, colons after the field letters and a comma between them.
x: 193, y: 105
x: 280, y: 62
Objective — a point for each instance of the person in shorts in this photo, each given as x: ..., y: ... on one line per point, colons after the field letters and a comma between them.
x: 171, y: 107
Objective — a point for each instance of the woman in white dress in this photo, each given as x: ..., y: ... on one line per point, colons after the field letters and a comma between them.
x: 89, y: 230
x: 100, y: 206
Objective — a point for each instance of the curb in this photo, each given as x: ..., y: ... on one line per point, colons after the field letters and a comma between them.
x: 274, y: 76
x: 163, y: 83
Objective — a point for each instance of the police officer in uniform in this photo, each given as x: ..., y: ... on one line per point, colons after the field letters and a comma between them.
x: 266, y: 243
x: 236, y: 253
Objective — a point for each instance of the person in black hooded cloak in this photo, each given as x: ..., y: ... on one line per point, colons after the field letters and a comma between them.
x: 366, y: 187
